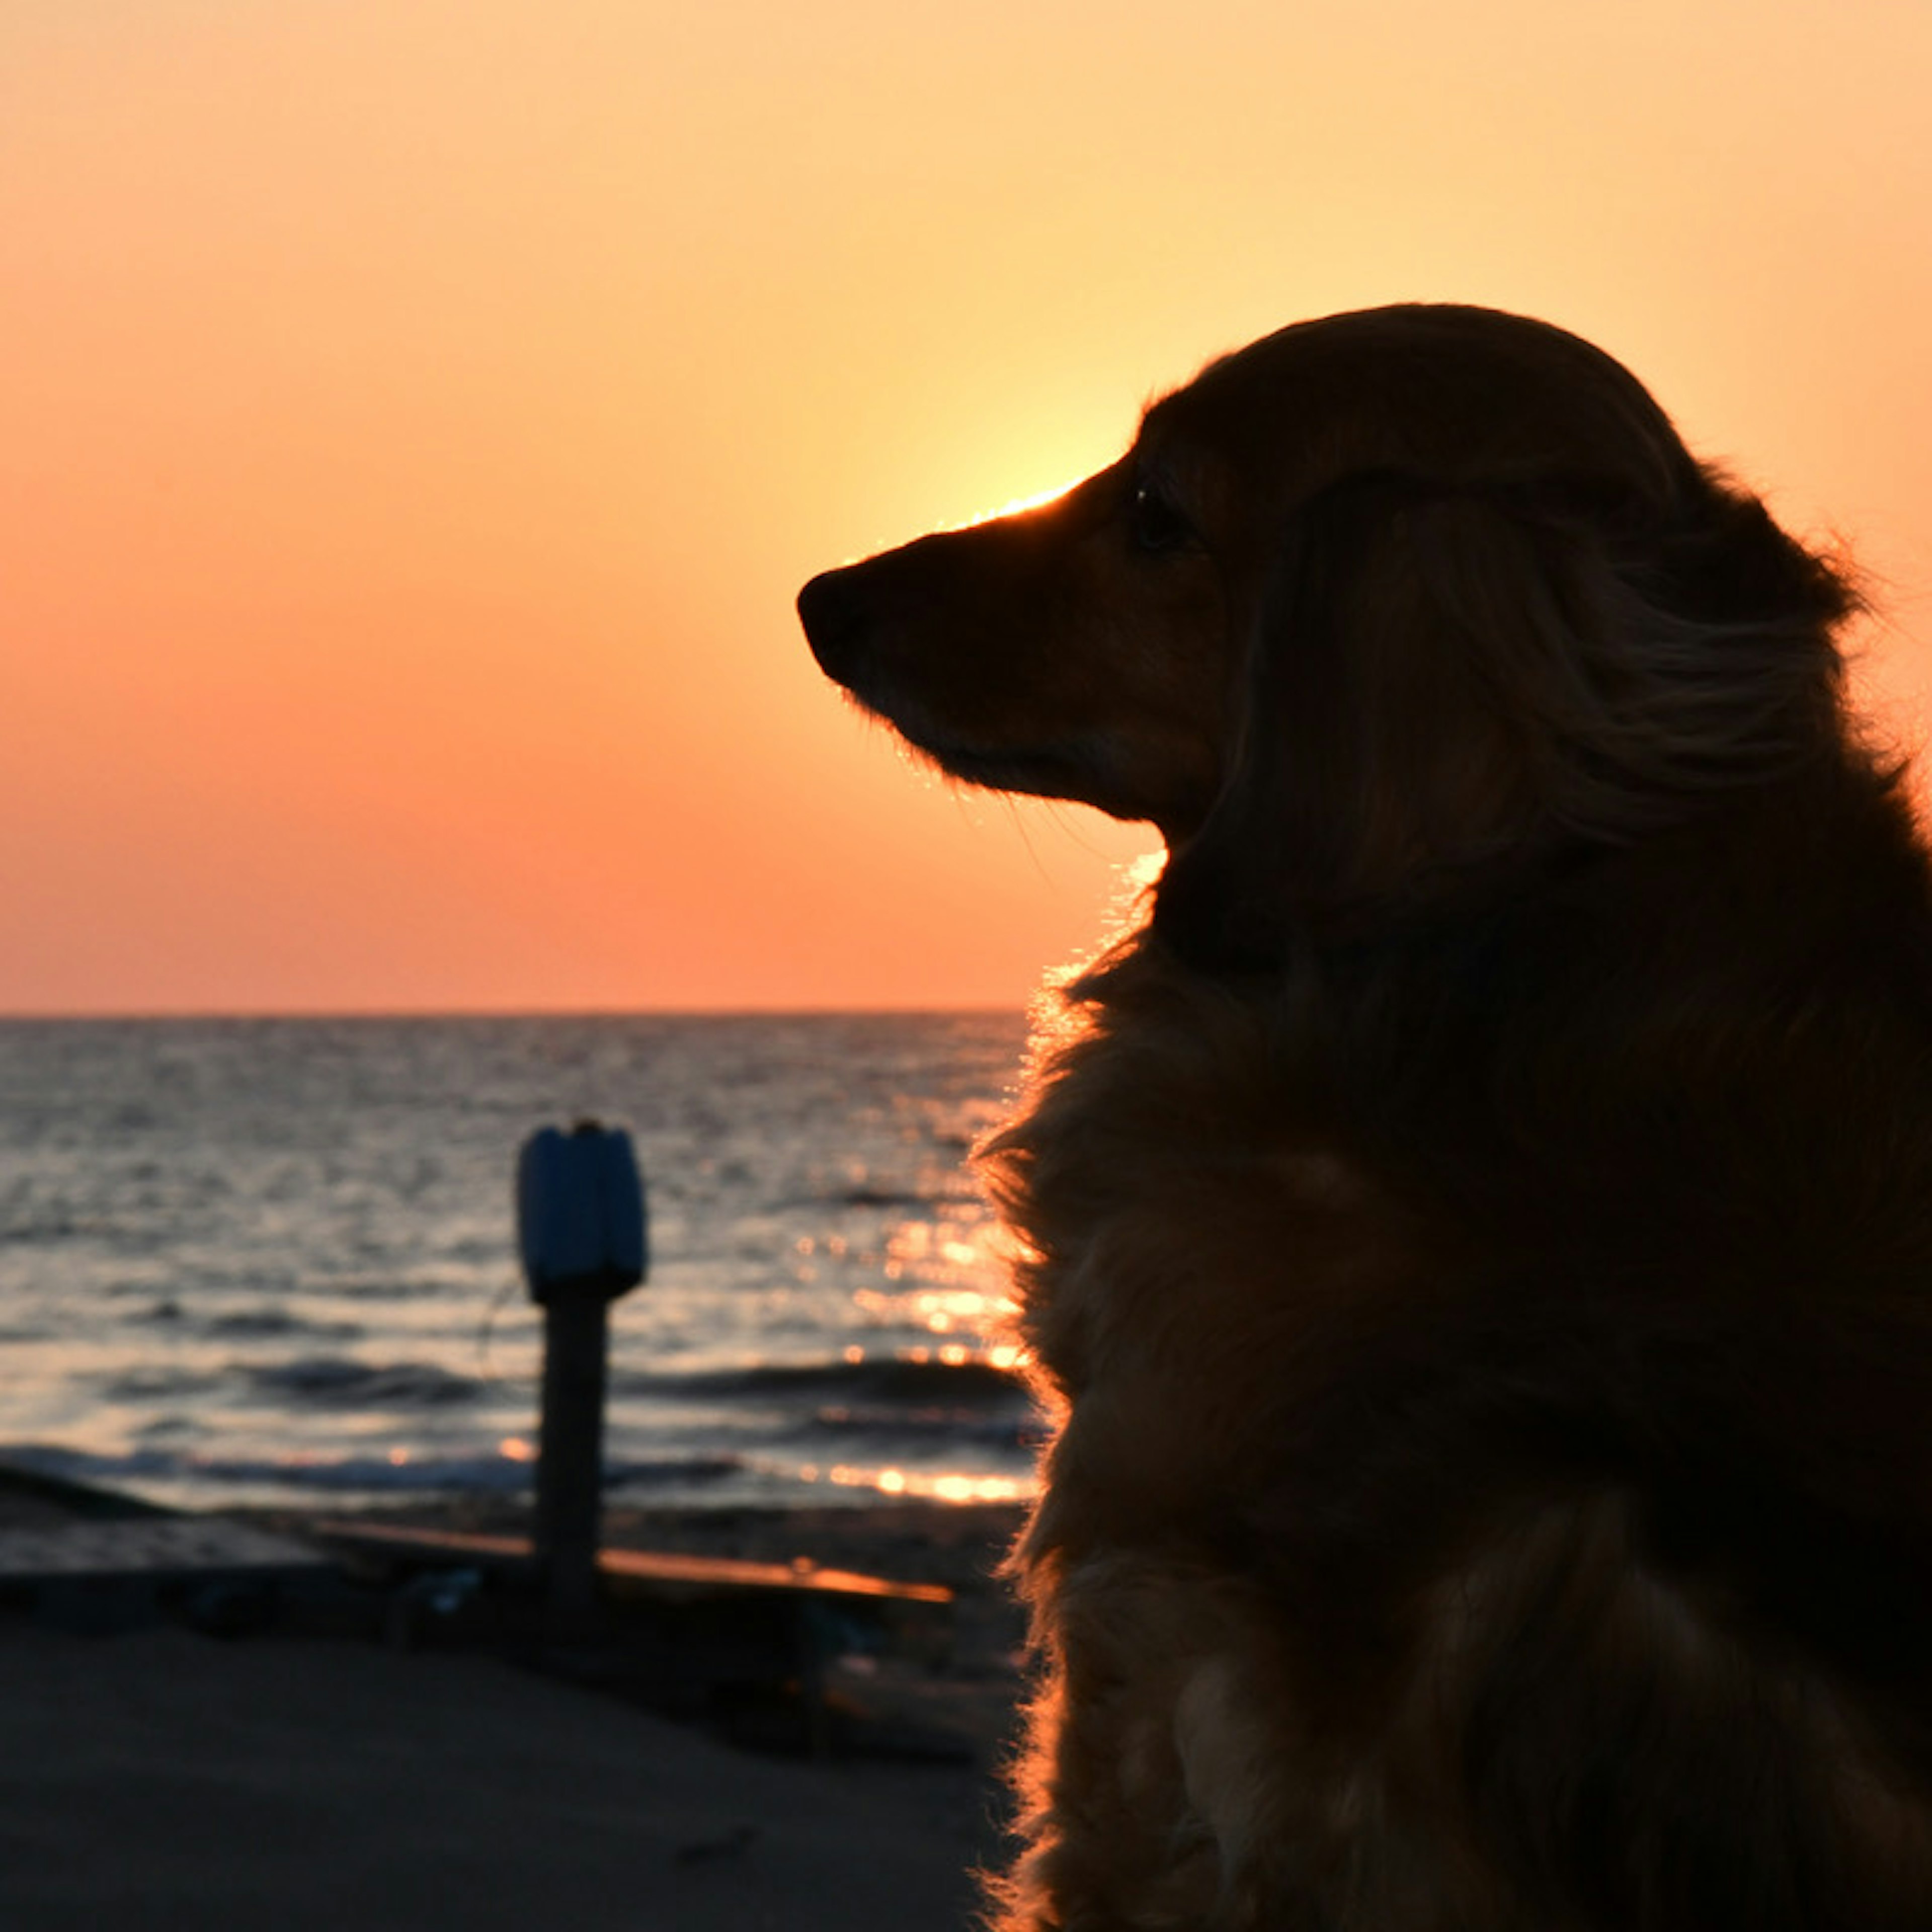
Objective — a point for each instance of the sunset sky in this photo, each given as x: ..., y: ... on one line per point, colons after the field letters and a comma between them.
x: 415, y: 420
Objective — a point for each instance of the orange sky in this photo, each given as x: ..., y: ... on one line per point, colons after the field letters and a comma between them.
x: 416, y: 421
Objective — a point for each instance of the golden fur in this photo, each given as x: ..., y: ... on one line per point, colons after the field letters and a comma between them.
x: 1476, y: 1235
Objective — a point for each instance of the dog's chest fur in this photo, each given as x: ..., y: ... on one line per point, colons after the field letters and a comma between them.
x: 1200, y: 1262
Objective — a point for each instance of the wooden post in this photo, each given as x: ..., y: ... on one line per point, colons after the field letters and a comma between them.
x: 570, y: 1452
x: 582, y: 1230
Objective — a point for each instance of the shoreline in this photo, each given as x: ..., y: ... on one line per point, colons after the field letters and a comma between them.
x: 962, y: 1545
x: 971, y: 1692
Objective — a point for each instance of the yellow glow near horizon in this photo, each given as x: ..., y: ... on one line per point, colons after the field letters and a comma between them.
x: 419, y: 420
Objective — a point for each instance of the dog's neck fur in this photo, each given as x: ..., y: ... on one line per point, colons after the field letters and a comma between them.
x: 1558, y: 1091
x: 1412, y: 1261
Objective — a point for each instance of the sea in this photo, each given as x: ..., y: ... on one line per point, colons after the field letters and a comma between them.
x: 274, y: 1261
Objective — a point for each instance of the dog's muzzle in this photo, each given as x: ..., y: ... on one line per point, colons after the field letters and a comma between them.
x: 834, y: 611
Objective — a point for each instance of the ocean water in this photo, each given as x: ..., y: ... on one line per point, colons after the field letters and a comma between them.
x: 274, y: 1261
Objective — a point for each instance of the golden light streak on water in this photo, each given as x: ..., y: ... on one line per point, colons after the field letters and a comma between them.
x: 914, y: 1485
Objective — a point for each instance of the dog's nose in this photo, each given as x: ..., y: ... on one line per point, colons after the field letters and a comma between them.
x: 834, y: 617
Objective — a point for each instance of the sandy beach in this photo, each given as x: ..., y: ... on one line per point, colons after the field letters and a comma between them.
x: 159, y: 1778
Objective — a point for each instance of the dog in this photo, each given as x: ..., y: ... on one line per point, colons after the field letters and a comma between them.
x: 1475, y: 1235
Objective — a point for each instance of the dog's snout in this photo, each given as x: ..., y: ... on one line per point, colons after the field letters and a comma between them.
x: 834, y: 614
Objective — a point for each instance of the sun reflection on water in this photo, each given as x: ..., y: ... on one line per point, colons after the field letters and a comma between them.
x: 921, y: 1487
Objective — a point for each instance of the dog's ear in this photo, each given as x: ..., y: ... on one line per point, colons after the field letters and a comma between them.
x: 1372, y: 753
x: 1445, y: 683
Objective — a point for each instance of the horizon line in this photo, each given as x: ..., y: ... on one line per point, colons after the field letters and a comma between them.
x: 49, y: 1015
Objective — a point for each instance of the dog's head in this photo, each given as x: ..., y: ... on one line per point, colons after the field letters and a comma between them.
x: 1376, y: 610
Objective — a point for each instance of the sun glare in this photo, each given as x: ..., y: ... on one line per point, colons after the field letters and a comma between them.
x: 1014, y: 505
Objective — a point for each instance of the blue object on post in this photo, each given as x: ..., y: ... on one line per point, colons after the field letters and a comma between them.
x: 580, y: 1220
x: 580, y: 1230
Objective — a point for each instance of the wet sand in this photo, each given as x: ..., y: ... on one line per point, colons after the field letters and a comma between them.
x: 161, y: 1778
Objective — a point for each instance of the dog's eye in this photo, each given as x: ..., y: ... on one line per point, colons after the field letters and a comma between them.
x: 1154, y: 526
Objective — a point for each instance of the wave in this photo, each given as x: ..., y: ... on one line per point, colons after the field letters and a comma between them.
x: 863, y: 1196
x: 340, y: 1381
x: 473, y: 1475
x: 272, y: 1322
x: 883, y: 1378
x: 905, y: 1426
x: 157, y: 1383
